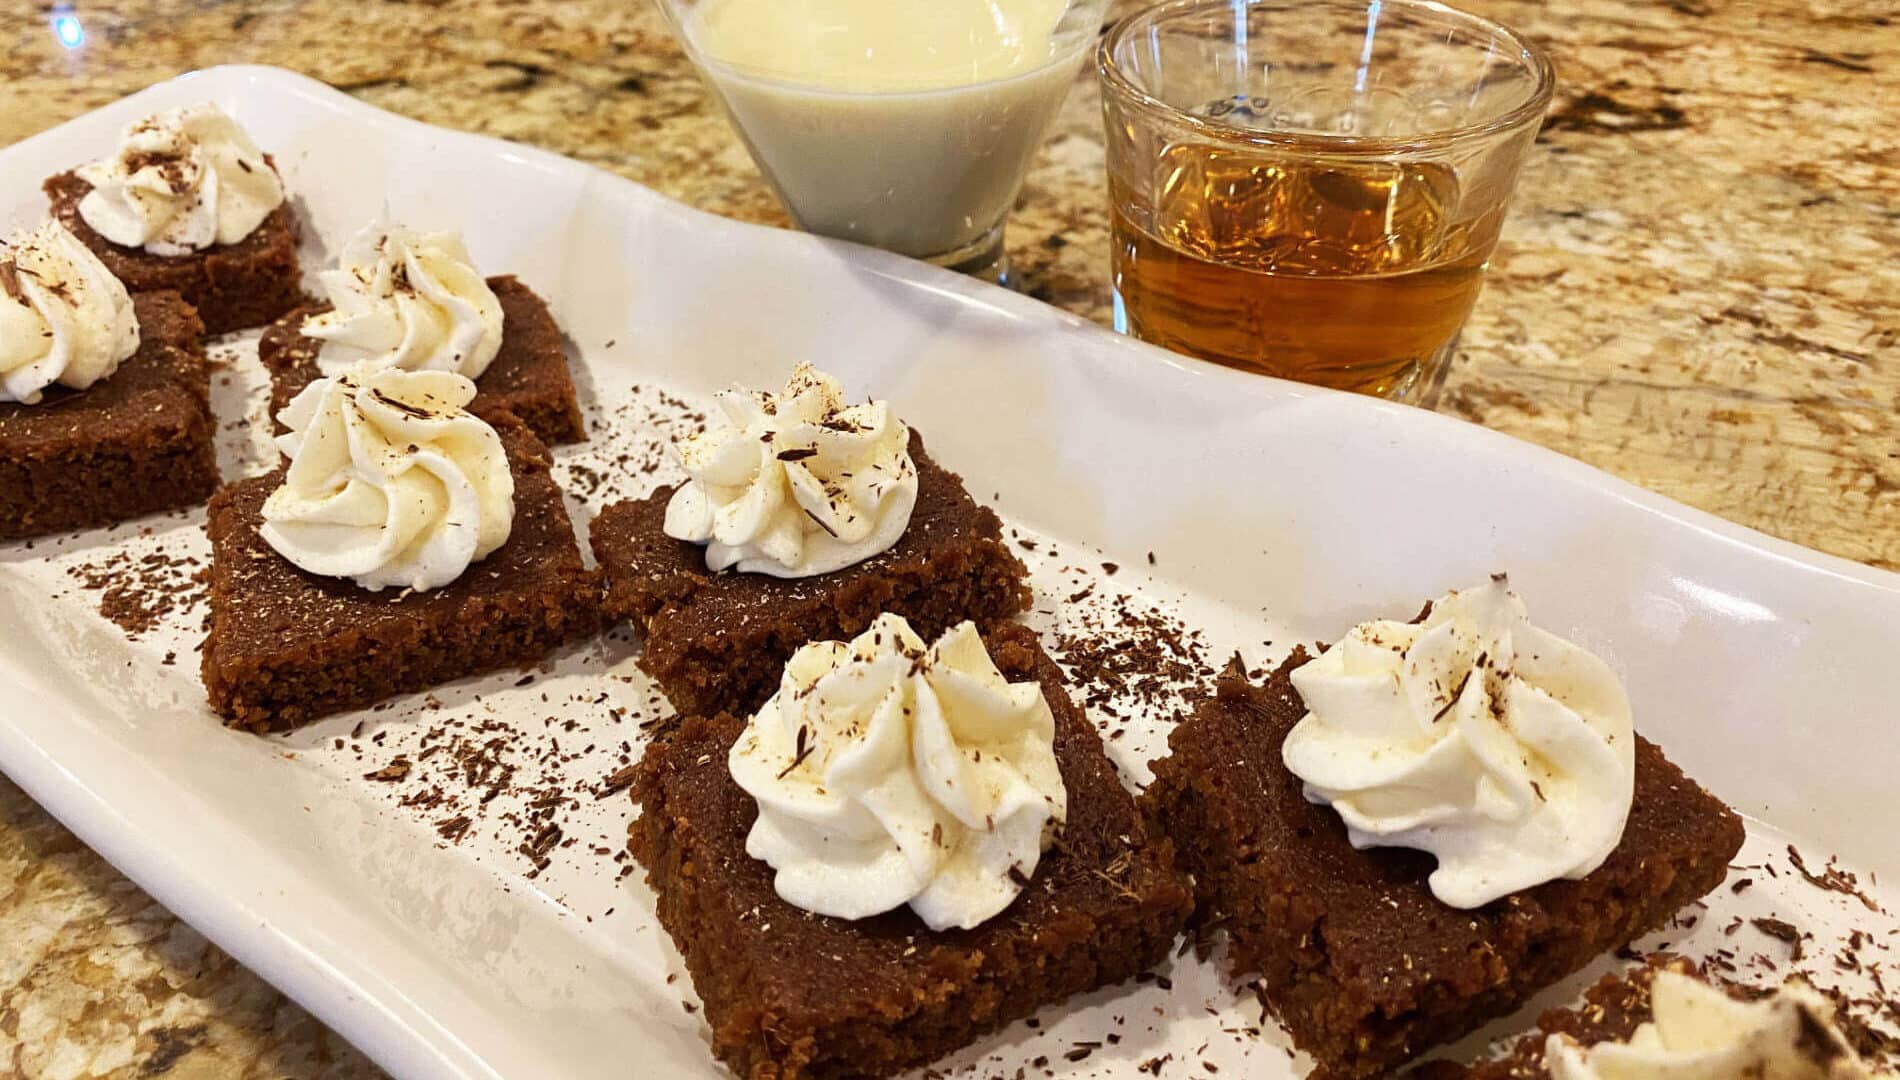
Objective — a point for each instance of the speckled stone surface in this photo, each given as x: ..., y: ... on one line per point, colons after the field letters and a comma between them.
x: 1699, y: 291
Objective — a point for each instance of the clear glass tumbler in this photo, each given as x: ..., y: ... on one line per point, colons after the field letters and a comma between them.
x: 904, y: 124
x: 1312, y: 188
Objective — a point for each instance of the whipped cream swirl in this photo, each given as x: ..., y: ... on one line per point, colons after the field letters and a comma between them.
x: 391, y: 481
x: 182, y: 181
x: 1700, y: 1033
x: 1502, y: 749
x: 888, y: 774
x: 797, y: 484
x: 63, y: 317
x: 404, y: 299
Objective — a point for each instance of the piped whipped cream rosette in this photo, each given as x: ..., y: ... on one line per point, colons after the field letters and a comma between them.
x: 406, y: 299
x: 391, y: 481
x: 64, y: 318
x: 181, y: 181
x: 1500, y: 748
x: 888, y: 773
x: 1701, y: 1033
x: 796, y: 484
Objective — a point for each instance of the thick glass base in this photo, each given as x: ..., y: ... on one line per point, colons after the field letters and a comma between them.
x: 983, y: 259
x: 1430, y: 385
x: 1420, y: 382
x: 1413, y: 381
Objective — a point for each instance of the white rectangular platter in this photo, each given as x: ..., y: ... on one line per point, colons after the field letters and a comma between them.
x: 1274, y: 513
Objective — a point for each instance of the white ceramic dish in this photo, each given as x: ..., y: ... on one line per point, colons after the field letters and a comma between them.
x: 1275, y: 512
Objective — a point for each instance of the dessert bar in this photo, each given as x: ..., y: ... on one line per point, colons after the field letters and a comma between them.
x: 136, y: 442
x: 1361, y: 962
x: 528, y: 377
x: 716, y: 642
x: 287, y: 646
x: 791, y: 994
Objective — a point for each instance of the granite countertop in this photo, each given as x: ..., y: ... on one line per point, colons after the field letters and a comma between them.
x: 1699, y: 291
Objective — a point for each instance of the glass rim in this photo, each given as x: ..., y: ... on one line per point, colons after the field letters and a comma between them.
x: 706, y: 64
x: 1117, y: 85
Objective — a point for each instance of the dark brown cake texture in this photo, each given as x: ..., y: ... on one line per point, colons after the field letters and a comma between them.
x: 717, y: 642
x: 286, y: 646
x: 139, y: 441
x: 1611, y: 1011
x: 528, y: 377
x: 233, y: 286
x: 794, y: 995
x: 1362, y: 964
x: 1613, y: 1008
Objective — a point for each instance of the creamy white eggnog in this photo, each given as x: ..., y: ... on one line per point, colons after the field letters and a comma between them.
x: 906, y: 124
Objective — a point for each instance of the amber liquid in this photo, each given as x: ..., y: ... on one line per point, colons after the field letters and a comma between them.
x: 1350, y: 276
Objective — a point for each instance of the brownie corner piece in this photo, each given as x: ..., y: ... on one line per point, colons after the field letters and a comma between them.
x: 1830, y: 1038
x: 233, y: 286
x: 716, y: 642
x: 1361, y: 963
x: 137, y: 442
x: 529, y: 377
x: 1612, y: 1009
x: 794, y: 995
x: 286, y: 647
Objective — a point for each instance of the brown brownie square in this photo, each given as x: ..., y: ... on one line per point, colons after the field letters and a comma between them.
x: 233, y: 286
x: 792, y: 995
x: 717, y: 642
x: 528, y: 377
x: 287, y: 647
x: 1617, y: 1004
x: 1363, y: 965
x: 136, y: 442
x: 1613, y: 1008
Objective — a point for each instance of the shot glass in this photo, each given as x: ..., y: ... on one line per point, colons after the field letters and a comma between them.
x: 904, y: 124
x: 1312, y: 188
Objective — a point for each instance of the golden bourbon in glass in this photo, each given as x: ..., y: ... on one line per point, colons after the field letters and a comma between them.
x: 1301, y: 217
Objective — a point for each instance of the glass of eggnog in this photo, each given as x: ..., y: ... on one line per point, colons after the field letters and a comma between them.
x: 904, y: 124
